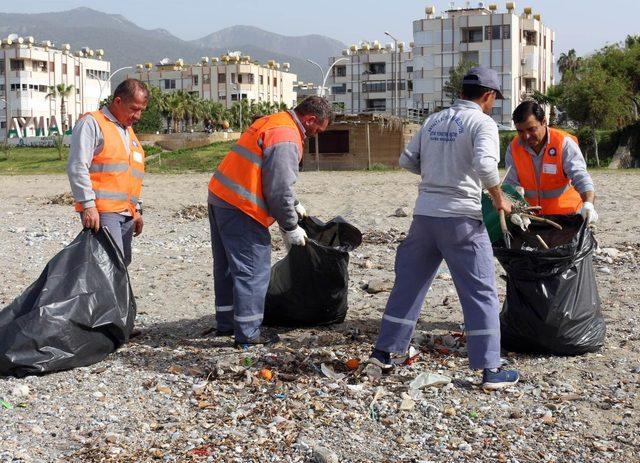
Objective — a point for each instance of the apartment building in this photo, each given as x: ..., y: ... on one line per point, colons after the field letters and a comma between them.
x: 306, y: 89
x: 226, y: 79
x: 372, y: 78
x: 29, y: 68
x: 517, y: 45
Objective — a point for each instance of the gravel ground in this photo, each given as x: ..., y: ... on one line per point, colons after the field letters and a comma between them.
x: 174, y: 394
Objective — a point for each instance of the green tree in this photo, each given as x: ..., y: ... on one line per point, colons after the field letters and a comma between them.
x: 552, y: 99
x: 595, y: 100
x: 61, y: 91
x: 453, y: 87
x: 568, y: 64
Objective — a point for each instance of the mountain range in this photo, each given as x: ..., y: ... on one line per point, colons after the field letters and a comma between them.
x: 127, y: 44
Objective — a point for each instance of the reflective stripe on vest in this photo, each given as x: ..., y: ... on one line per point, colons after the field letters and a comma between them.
x: 239, y: 189
x: 238, y: 178
x: 117, y: 170
x: 551, y: 189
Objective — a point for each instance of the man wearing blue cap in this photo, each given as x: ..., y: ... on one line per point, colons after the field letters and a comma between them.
x: 456, y: 152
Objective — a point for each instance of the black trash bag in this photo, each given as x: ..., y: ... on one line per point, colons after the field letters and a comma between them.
x: 309, y: 286
x: 552, y: 304
x: 77, y: 312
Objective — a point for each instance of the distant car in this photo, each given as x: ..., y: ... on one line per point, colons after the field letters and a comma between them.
x: 504, y: 127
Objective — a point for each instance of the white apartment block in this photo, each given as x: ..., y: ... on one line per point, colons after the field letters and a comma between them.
x: 372, y: 78
x: 226, y: 79
x: 28, y: 69
x: 305, y: 89
x: 518, y: 46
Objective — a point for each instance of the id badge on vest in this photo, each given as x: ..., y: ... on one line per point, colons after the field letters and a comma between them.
x: 550, y: 169
x: 137, y: 156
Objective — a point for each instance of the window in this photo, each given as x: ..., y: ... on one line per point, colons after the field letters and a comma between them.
x: 222, y: 78
x: 391, y: 85
x: 239, y: 78
x: 339, y: 89
x: 52, y: 66
x: 233, y: 77
x: 252, y: 78
x: 530, y: 37
x: 169, y: 84
x: 2, y: 66
x: 195, y: 80
x: 373, y: 87
x: 409, y: 69
x: 506, y: 31
x: 206, y: 78
x: 3, y: 124
x: 1, y: 87
x: 64, y: 68
x: 492, y: 32
x: 261, y: 80
x: 410, y: 85
x: 377, y: 104
x: 77, y: 71
x: 275, y: 82
x: 43, y: 89
x: 330, y: 142
x: 340, y: 71
x: 496, y: 111
x: 40, y: 66
x: 16, y: 64
x: 471, y: 35
x: 376, y: 68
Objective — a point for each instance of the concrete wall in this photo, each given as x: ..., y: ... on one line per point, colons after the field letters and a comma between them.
x: 386, y: 145
x: 175, y: 141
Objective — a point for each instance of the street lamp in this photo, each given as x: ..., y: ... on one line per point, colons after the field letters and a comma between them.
x: 103, y: 82
x: 396, y: 101
x: 237, y: 87
x: 325, y: 76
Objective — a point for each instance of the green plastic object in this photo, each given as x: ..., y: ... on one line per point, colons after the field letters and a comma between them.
x: 490, y: 215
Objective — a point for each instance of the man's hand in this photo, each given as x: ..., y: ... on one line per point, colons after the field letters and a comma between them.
x: 499, y: 200
x: 588, y: 212
x: 138, y: 224
x: 91, y: 218
x: 295, y: 237
x: 300, y: 210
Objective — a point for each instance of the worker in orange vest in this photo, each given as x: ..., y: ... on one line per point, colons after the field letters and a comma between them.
x: 106, y: 166
x: 547, y: 164
x: 251, y: 189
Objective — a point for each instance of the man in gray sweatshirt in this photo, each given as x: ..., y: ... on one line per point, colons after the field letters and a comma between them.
x: 456, y: 152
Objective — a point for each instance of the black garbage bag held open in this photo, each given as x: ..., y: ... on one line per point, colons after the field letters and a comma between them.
x: 552, y: 304
x: 77, y: 312
x: 309, y: 286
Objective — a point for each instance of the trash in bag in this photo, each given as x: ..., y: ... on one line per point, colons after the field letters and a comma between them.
x: 77, y: 312
x: 309, y: 286
x: 552, y: 304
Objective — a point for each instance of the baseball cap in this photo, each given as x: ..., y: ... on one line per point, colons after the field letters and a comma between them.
x: 485, y: 77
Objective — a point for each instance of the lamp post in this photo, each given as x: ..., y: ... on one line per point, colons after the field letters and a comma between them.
x: 325, y: 76
x: 237, y: 87
x: 6, y: 123
x: 396, y: 101
x: 103, y: 82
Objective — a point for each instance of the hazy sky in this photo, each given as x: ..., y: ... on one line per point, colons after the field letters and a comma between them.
x: 584, y: 25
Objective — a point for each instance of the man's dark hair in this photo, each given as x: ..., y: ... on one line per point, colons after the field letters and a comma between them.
x: 526, y: 109
x: 315, y: 106
x: 127, y: 89
x: 473, y: 91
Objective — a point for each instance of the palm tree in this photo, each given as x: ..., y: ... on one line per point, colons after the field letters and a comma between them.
x: 568, y: 64
x: 62, y: 91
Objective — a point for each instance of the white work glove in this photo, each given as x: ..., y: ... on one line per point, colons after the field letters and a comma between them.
x: 300, y: 210
x: 295, y: 237
x: 588, y: 212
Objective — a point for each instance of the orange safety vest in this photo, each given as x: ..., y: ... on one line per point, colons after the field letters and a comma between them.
x: 553, y: 191
x: 117, y: 171
x: 238, y: 179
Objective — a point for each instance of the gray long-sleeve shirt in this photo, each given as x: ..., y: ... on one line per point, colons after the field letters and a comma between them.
x: 279, y: 173
x: 456, y: 152
x: 86, y: 142
x: 573, y: 165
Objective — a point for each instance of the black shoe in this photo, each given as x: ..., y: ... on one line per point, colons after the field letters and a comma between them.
x: 261, y: 339
x: 215, y: 332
